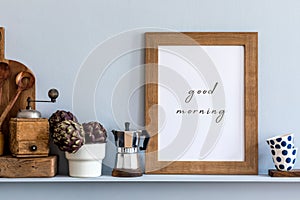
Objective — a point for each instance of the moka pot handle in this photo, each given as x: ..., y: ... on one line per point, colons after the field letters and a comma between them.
x: 146, y: 140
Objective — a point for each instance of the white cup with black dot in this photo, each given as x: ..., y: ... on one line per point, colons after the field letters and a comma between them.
x: 285, y: 141
x: 285, y: 159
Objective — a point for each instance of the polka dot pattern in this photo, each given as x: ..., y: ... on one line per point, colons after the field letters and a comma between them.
x: 273, y: 152
x: 278, y: 159
x: 284, y: 160
x: 278, y: 139
x: 283, y: 143
x: 281, y: 166
x: 283, y: 151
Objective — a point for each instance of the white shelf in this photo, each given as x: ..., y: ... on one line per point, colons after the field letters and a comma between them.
x: 159, y: 179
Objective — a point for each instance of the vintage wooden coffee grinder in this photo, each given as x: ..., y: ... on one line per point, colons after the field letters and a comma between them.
x: 29, y: 132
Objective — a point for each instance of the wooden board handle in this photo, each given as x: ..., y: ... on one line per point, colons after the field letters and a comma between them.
x: 2, y: 46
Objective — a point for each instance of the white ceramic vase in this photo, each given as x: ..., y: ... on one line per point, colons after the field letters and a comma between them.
x: 87, y: 161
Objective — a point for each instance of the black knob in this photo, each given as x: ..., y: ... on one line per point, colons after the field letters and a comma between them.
x: 127, y: 124
x: 53, y: 94
x: 33, y: 148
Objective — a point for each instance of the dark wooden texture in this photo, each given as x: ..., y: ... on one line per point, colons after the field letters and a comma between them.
x: 277, y: 173
x: 12, y: 167
x: 9, y: 90
x: 127, y: 172
x: 250, y: 42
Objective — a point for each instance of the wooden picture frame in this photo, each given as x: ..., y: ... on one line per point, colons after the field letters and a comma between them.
x: 245, y: 42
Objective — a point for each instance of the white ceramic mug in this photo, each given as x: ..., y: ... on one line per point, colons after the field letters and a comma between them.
x: 285, y: 159
x: 285, y: 141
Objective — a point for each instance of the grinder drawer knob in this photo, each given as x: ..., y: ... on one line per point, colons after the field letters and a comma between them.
x: 33, y: 148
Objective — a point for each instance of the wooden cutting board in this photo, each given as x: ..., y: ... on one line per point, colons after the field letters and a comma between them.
x: 9, y: 90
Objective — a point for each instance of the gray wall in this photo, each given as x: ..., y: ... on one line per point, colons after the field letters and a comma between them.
x: 56, y: 38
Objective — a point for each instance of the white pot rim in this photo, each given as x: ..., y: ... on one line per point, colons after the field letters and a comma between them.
x: 88, y: 152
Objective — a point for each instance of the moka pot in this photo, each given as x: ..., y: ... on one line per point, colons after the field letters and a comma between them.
x: 128, y: 145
